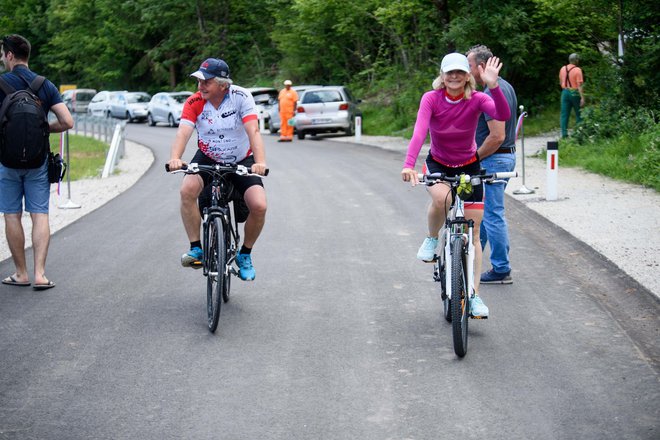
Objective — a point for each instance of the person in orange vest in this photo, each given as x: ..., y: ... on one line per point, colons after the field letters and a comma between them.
x: 288, y: 99
x: 572, y: 96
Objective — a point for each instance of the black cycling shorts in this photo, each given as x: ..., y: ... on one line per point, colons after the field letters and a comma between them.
x: 476, y: 200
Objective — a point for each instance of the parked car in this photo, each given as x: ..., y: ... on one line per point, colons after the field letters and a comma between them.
x: 265, y: 98
x: 100, y: 103
x: 326, y: 109
x: 274, y: 122
x: 77, y: 100
x: 130, y: 105
x: 166, y: 107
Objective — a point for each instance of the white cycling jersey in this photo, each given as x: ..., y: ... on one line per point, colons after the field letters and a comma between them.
x: 220, y: 132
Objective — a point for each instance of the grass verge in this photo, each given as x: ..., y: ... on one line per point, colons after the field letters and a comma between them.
x: 86, y: 155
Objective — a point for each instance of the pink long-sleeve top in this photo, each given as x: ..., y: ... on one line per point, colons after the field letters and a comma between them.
x: 453, y: 125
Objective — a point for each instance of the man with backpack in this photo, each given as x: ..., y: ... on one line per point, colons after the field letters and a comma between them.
x: 24, y: 150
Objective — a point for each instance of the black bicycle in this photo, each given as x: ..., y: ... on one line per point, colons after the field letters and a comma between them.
x: 220, y: 236
x: 454, y: 267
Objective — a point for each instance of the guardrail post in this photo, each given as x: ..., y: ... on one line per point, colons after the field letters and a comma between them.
x: 69, y: 204
x: 358, y: 129
x: 552, y: 170
x: 523, y: 114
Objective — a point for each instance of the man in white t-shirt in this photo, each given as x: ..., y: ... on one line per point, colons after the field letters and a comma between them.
x: 225, y: 117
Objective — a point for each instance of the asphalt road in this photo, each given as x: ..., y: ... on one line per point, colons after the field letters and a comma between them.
x: 341, y: 335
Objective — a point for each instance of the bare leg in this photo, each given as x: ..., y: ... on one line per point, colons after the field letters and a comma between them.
x: 191, y: 187
x: 40, y: 243
x: 477, y: 215
x: 16, y: 241
x: 255, y: 199
x: 440, y: 203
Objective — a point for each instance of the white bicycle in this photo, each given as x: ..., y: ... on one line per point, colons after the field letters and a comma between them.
x: 454, y: 267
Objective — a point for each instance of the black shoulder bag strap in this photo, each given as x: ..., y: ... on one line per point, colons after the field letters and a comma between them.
x: 36, y: 84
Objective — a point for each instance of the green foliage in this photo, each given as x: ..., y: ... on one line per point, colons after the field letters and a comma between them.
x: 627, y: 157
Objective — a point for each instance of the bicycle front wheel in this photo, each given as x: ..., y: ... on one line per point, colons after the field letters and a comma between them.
x: 227, y: 277
x: 441, y: 278
x: 215, y: 279
x: 460, y: 304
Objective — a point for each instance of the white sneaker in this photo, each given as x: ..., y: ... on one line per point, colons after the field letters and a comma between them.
x: 426, y: 251
x: 477, y: 308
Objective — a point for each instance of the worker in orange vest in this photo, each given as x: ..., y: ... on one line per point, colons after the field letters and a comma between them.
x: 288, y: 99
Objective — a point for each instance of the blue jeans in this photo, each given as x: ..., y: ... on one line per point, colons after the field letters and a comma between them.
x: 494, y: 228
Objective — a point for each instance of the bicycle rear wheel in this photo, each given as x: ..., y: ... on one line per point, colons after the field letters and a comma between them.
x: 460, y: 304
x: 216, y: 272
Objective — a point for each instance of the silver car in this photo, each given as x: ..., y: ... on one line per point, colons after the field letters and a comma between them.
x: 265, y: 98
x: 100, y: 103
x: 130, y: 105
x: 77, y: 100
x: 166, y: 107
x: 326, y: 109
x: 274, y: 123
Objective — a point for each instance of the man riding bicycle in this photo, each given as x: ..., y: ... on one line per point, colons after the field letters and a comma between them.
x: 225, y: 117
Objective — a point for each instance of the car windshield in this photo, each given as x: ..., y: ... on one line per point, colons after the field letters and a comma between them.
x: 137, y: 98
x: 261, y: 98
x: 84, y: 96
x: 180, y: 98
x: 320, y: 96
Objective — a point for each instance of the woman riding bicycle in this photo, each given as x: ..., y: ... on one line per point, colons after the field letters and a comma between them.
x: 451, y: 112
x: 225, y: 117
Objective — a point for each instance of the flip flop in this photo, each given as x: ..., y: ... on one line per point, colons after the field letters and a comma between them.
x: 48, y: 285
x: 11, y: 281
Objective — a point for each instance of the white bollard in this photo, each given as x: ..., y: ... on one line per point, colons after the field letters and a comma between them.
x: 262, y: 122
x: 358, y: 128
x: 552, y: 170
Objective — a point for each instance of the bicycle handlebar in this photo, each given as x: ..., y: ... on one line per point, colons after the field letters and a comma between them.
x: 432, y: 179
x: 195, y: 168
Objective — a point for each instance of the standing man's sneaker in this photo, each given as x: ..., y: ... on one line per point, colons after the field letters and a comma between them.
x: 477, y: 308
x: 245, y: 269
x: 426, y: 251
x: 492, y: 277
x: 193, y: 258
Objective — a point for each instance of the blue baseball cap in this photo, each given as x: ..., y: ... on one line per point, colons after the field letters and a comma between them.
x: 210, y: 68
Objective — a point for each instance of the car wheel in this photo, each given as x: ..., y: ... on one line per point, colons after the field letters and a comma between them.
x: 128, y: 117
x: 170, y: 121
x: 272, y: 129
x: 150, y: 120
x: 350, y: 131
x: 301, y: 135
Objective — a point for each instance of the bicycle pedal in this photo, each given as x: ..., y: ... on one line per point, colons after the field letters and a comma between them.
x: 196, y: 265
x: 478, y: 317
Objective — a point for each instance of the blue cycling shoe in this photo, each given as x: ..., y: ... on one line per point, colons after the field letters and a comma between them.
x: 193, y: 258
x: 245, y: 268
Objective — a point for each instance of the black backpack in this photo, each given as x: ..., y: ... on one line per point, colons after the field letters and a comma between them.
x: 24, y: 131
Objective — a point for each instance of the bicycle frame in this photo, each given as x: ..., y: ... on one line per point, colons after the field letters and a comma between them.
x: 220, y: 198
x: 454, y: 226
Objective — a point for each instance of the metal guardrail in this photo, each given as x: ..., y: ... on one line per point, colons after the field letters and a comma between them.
x: 108, y: 130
